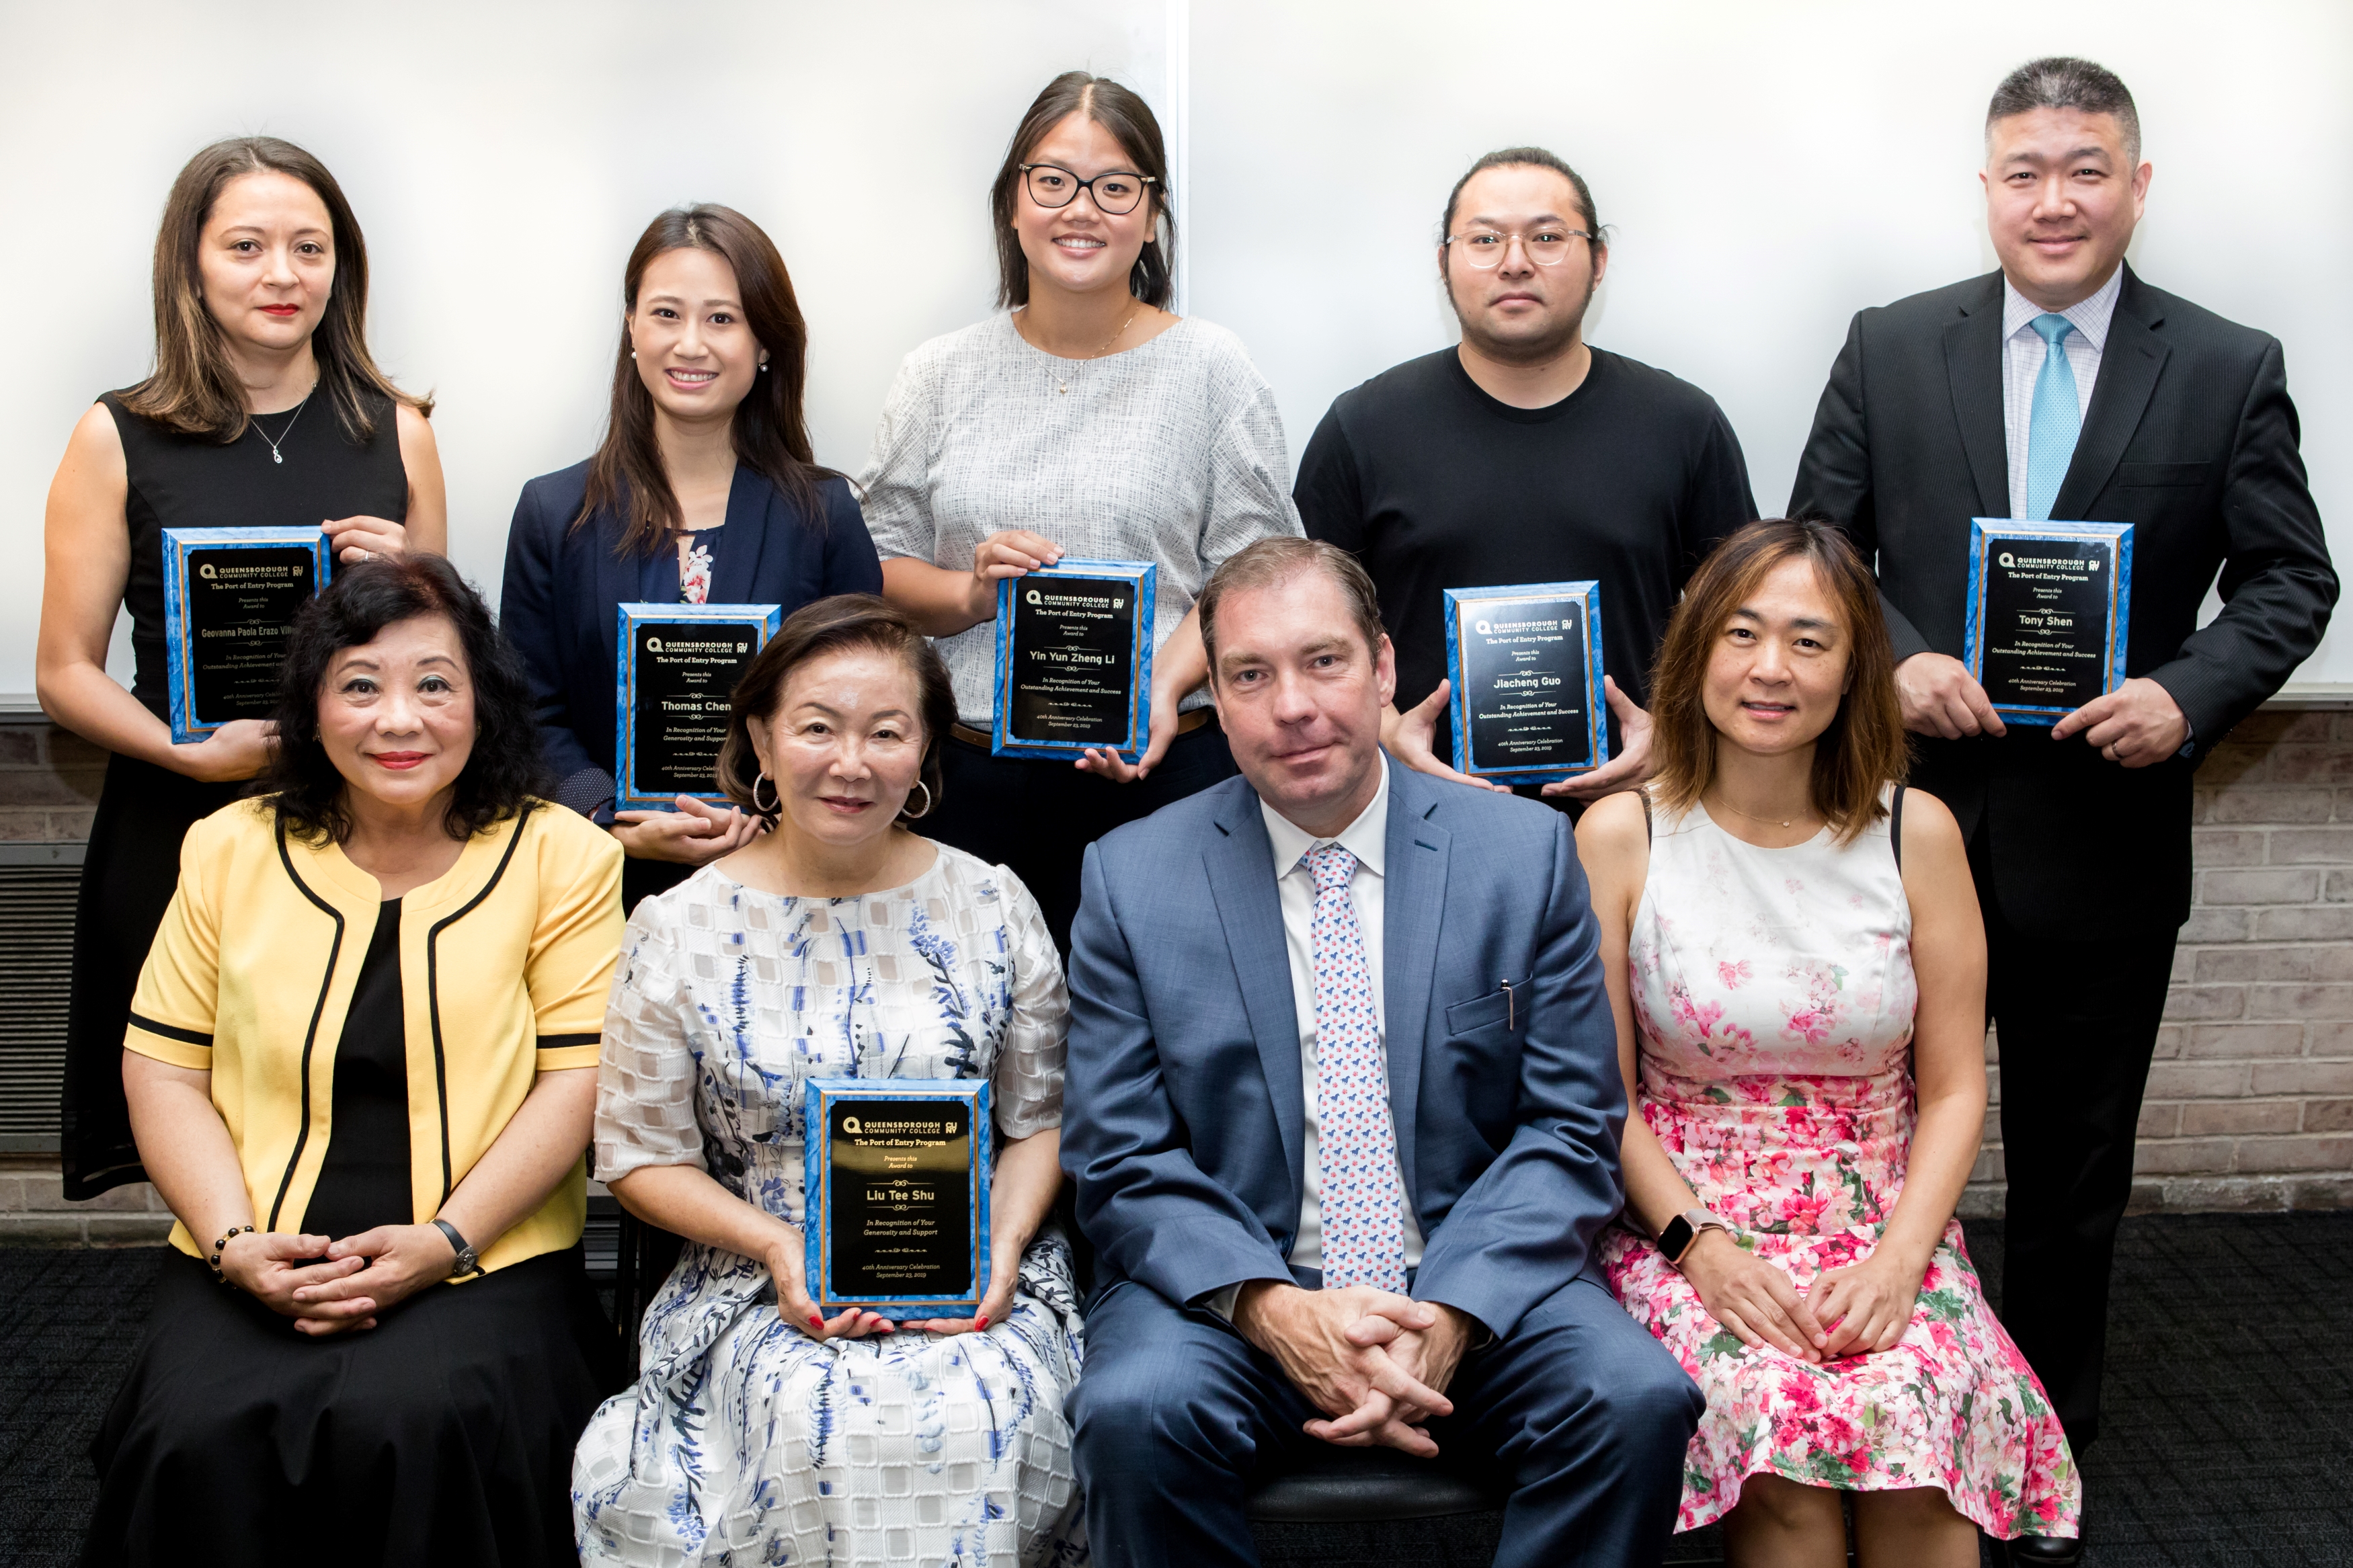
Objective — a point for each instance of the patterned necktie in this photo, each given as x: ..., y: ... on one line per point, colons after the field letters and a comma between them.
x: 2058, y: 419
x: 1363, y: 1206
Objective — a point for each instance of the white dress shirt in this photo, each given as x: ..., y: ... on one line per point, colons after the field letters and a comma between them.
x: 1366, y: 838
x: 2023, y: 352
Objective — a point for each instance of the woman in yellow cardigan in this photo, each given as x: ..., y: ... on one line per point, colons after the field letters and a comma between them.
x: 361, y: 1067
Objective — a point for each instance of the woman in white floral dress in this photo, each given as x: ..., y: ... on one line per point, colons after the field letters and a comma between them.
x: 1797, y: 967
x: 837, y: 944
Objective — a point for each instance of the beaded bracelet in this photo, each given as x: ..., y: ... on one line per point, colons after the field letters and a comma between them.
x: 222, y: 1246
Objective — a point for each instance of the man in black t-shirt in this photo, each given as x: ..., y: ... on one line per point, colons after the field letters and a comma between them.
x: 1524, y: 456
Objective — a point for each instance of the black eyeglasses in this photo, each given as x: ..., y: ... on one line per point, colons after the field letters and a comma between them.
x: 1116, y: 193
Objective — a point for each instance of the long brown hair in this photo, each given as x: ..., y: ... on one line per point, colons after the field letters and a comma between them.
x: 1861, y: 752
x: 194, y: 390
x: 820, y: 628
x: 1129, y: 119
x: 771, y: 429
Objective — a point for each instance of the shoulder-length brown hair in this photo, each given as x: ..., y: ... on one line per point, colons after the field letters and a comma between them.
x: 823, y: 626
x: 193, y: 389
x: 1861, y: 752
x: 1129, y: 118
x: 771, y: 427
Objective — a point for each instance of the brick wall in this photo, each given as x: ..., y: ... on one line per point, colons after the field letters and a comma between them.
x: 49, y: 780
x: 2250, y: 1102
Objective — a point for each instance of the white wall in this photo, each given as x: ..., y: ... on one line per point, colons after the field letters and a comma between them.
x: 1767, y: 169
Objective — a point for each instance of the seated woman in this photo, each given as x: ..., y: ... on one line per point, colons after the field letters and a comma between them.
x: 837, y: 944
x: 1783, y: 926
x: 360, y: 1069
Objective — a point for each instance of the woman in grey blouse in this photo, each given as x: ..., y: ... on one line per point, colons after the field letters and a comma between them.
x: 1086, y: 420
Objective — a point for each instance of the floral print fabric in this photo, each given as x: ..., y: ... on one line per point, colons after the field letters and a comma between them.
x: 1773, y: 1000
x: 745, y: 1440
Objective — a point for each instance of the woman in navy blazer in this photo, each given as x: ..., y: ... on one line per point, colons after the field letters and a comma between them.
x: 704, y: 490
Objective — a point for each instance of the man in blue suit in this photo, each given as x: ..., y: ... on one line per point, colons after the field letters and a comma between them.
x: 1343, y: 1109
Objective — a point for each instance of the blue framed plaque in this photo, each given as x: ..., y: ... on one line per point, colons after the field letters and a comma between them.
x: 2049, y: 614
x: 230, y: 596
x: 1074, y: 659
x: 679, y: 664
x: 897, y: 1215
x: 1526, y: 662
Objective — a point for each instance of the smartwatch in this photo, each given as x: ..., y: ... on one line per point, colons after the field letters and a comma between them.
x: 1682, y: 1230
x: 466, y: 1262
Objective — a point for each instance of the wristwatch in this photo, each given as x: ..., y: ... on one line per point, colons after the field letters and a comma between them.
x: 1682, y: 1230
x: 467, y: 1262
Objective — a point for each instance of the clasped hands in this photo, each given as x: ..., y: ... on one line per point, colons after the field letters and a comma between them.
x: 1853, y: 1311
x: 334, y: 1286
x: 1376, y: 1363
x: 2134, y: 726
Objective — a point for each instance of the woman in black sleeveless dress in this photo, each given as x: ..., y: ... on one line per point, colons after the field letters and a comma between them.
x: 265, y: 410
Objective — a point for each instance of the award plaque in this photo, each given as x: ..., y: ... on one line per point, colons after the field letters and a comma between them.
x: 897, y: 1218
x: 2049, y: 613
x: 679, y: 664
x: 1526, y: 667
x: 230, y: 596
x: 1074, y: 659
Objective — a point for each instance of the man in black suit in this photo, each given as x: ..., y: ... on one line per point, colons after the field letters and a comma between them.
x: 1963, y: 403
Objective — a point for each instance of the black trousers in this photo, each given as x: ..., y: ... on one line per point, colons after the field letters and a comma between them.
x: 1038, y: 818
x: 2076, y: 1024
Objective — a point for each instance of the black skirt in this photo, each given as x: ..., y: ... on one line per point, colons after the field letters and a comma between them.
x: 128, y: 874
x: 444, y: 1436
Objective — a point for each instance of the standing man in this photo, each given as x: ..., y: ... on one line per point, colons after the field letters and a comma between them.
x: 2063, y: 386
x: 1524, y: 456
x: 1343, y: 1109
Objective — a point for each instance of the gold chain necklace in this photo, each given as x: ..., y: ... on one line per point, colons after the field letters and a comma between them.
x: 1769, y: 821
x: 1061, y: 381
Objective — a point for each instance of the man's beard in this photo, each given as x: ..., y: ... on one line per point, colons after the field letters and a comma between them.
x: 1527, y: 350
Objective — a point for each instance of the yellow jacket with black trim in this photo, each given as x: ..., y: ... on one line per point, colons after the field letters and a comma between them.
x: 506, y: 961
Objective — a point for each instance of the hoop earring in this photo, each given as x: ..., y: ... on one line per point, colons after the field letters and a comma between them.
x: 918, y: 815
x: 775, y: 807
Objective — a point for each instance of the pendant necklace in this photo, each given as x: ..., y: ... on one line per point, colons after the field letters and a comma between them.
x: 1769, y: 821
x: 254, y: 420
x: 1062, y: 379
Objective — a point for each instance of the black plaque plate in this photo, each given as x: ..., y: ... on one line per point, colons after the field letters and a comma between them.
x: 679, y: 664
x: 2048, y: 607
x: 1525, y: 663
x: 230, y: 598
x: 1074, y: 658
x: 897, y: 1215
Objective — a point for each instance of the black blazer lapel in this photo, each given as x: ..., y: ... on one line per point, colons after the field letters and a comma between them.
x: 1414, y: 908
x: 2130, y: 361
x: 753, y: 509
x: 1240, y: 864
x: 1973, y: 371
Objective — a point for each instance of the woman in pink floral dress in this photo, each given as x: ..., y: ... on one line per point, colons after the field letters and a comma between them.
x: 1798, y: 966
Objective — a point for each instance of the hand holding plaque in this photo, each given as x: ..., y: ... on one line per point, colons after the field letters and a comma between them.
x: 1074, y: 659
x: 1525, y: 664
x: 230, y: 596
x: 678, y: 667
x: 896, y: 1214
x: 2049, y: 614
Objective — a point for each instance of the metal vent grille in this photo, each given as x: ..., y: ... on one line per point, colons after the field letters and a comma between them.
x: 36, y: 926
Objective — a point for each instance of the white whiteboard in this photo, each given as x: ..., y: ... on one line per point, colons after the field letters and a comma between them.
x: 1767, y: 170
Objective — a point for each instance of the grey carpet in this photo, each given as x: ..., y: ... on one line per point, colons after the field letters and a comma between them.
x: 2229, y: 1416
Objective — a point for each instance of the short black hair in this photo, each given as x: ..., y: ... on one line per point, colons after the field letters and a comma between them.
x: 817, y: 628
x: 1526, y: 157
x: 2063, y: 81
x: 501, y: 774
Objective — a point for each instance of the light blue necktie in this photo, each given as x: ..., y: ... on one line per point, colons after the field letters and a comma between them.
x: 2058, y: 419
